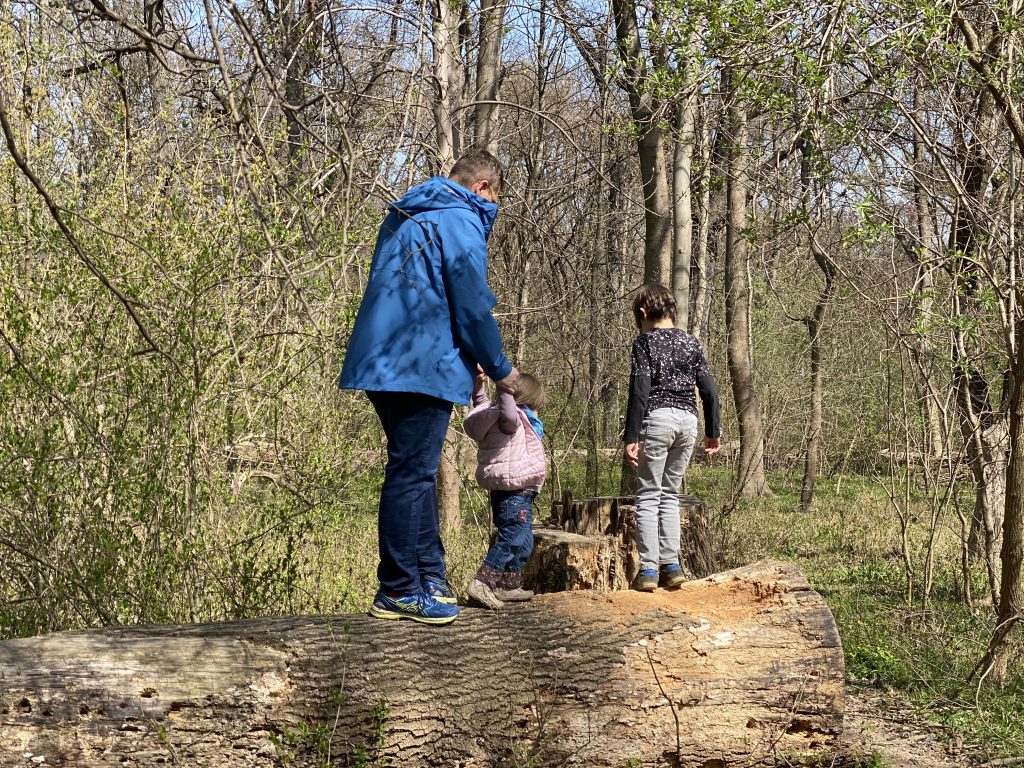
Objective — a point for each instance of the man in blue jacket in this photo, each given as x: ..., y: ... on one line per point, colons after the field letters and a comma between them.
x: 424, y: 325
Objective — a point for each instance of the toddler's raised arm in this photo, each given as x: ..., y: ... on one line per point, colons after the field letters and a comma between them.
x: 508, y: 418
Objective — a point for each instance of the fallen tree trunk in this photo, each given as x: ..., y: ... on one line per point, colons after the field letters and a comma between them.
x: 742, y: 668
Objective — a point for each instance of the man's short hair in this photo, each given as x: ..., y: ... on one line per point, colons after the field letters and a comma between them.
x: 476, y: 165
x: 656, y: 301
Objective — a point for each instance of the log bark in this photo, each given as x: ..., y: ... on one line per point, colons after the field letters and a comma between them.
x: 743, y: 668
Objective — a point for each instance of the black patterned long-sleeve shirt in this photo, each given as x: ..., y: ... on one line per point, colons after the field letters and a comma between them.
x: 667, y: 363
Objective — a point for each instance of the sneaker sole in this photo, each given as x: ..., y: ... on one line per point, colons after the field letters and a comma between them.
x: 482, y: 604
x: 479, y: 601
x: 673, y: 583
x: 644, y: 587
x: 383, y: 613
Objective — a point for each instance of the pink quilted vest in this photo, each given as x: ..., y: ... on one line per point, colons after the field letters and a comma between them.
x: 515, y: 462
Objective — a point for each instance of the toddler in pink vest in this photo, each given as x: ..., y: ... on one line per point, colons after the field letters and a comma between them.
x: 511, y: 464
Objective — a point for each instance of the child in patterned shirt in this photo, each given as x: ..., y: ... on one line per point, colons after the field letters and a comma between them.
x: 661, y: 429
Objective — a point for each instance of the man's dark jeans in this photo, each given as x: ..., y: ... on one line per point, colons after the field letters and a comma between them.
x: 409, y: 532
x: 512, y: 513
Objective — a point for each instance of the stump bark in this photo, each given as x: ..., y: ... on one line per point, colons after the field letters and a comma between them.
x: 743, y: 668
x: 591, y: 544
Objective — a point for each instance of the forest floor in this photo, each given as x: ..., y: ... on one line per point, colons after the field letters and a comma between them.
x: 909, y: 662
x: 883, y: 729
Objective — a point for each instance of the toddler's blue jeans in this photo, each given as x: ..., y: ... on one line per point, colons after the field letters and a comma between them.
x: 512, y: 512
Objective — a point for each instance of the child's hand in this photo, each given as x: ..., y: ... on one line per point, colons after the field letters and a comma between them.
x: 633, y: 454
x: 481, y: 377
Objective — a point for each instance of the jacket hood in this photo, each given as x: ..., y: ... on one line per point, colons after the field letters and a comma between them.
x: 439, y: 193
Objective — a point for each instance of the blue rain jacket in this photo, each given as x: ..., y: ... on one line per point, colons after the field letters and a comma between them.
x: 425, y: 320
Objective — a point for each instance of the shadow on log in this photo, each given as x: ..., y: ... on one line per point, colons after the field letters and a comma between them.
x: 742, y: 668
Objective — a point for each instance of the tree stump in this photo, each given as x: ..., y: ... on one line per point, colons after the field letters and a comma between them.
x: 696, y: 540
x: 564, y: 562
x: 743, y: 668
x: 591, y: 544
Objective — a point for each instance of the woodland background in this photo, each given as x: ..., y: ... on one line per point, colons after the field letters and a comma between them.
x: 189, y: 195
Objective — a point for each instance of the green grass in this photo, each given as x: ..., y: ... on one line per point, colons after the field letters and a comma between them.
x: 849, y: 547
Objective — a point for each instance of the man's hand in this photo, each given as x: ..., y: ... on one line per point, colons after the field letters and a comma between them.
x: 712, y: 444
x: 633, y: 454
x: 508, y: 384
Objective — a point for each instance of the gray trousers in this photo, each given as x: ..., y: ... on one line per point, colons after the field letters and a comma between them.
x: 666, y: 443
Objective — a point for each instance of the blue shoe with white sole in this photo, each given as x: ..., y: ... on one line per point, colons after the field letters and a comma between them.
x: 439, y: 589
x: 418, y: 606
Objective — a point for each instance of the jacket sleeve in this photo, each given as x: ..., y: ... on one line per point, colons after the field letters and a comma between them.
x: 479, y: 421
x: 508, y: 417
x: 708, y: 391
x: 639, y: 390
x: 464, y: 270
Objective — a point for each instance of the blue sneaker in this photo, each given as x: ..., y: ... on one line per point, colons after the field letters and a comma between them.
x: 646, y: 580
x: 439, y: 589
x: 418, y: 607
x: 671, y: 576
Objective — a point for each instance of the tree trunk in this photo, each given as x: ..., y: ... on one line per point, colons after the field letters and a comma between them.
x: 813, y: 436
x: 700, y: 317
x: 921, y: 349
x: 159, y: 102
x: 294, y: 91
x: 923, y: 356
x: 646, y: 111
x: 444, y: 30
x: 814, y: 418
x: 1011, y: 595
x: 750, y: 476
x: 449, y: 483
x: 657, y: 215
x: 595, y: 391
x: 744, y: 668
x: 488, y: 72
x: 682, y: 195
x: 986, y: 450
x: 983, y: 428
